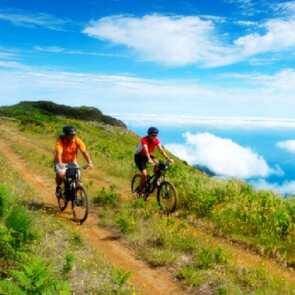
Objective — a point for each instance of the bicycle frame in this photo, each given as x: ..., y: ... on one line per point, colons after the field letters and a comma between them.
x: 152, y: 181
x: 72, y: 179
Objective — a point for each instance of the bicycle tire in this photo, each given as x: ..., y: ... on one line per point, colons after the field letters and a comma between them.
x: 61, y: 201
x: 84, y: 201
x: 162, y: 189
x: 136, y: 179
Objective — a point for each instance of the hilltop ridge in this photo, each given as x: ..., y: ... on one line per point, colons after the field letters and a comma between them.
x: 49, y: 109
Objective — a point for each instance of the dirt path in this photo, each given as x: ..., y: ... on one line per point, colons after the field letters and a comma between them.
x: 145, y: 279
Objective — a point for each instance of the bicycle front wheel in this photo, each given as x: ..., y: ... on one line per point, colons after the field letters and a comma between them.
x: 167, y: 197
x: 80, y: 205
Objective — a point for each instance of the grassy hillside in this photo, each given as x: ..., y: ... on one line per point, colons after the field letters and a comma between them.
x: 41, y: 255
x: 187, y: 243
x: 36, y: 112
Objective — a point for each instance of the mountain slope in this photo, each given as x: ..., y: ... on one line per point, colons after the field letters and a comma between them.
x: 186, y: 244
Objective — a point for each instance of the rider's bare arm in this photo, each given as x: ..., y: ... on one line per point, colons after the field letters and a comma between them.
x: 87, y: 157
x: 58, y: 154
x: 84, y: 152
x: 162, y: 151
x: 145, y: 147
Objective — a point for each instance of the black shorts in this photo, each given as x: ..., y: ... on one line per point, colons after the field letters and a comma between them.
x: 141, y: 161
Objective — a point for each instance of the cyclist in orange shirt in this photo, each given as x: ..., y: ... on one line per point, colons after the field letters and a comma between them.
x: 66, y: 150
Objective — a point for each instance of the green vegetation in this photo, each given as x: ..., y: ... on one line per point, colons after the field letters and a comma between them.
x: 40, y: 255
x: 38, y: 112
x: 259, y: 220
x: 198, y: 263
x: 106, y: 197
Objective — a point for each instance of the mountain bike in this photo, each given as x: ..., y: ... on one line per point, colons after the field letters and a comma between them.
x: 73, y: 191
x: 166, y: 192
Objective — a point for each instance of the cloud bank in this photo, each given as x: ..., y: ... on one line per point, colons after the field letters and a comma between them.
x: 176, y: 40
x: 221, y: 155
x: 286, y: 188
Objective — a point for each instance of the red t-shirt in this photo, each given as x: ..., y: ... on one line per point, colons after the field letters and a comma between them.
x: 151, y: 144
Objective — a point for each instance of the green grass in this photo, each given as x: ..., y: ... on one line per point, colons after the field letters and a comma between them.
x: 41, y: 255
x: 197, y: 263
x: 259, y: 219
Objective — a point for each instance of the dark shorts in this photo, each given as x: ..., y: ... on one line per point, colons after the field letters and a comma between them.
x: 141, y: 161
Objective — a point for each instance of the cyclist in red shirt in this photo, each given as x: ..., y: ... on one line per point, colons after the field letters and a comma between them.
x: 145, y: 149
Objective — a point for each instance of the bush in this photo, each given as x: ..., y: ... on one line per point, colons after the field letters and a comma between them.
x: 120, y: 277
x: 126, y: 223
x: 4, y: 198
x: 33, y: 278
x: 106, y: 197
x: 208, y: 257
x: 68, y: 264
x: 20, y: 222
x: 6, y: 242
x: 158, y: 257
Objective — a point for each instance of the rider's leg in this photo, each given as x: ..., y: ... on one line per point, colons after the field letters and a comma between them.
x: 59, y: 176
x: 144, y: 174
x: 59, y: 179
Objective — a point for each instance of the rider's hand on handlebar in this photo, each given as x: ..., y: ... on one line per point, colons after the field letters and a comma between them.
x: 152, y: 162
x: 88, y: 165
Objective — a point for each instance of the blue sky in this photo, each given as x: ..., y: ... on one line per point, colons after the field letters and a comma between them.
x: 229, y: 58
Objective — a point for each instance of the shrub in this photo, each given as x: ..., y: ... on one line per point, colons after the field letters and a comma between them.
x: 126, y: 223
x: 208, y: 257
x: 191, y: 276
x: 4, y: 197
x: 20, y: 222
x: 33, y: 278
x: 6, y: 241
x: 158, y: 257
x: 106, y: 197
x: 120, y: 277
x: 68, y: 264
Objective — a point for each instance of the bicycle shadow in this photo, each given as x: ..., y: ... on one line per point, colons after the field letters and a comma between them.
x: 50, y: 209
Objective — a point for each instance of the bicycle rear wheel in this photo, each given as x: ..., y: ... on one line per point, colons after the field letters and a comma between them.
x: 167, y: 197
x: 135, y: 184
x: 62, y: 200
x: 80, y: 205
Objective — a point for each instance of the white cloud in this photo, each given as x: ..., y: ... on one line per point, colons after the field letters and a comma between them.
x: 279, y: 36
x: 286, y: 188
x: 59, y: 50
x: 183, y: 101
x: 246, y: 23
x: 24, y: 19
x: 288, y: 145
x: 186, y: 40
x: 168, y: 40
x: 209, y: 121
x: 222, y: 156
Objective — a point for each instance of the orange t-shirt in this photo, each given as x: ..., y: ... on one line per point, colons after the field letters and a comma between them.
x: 69, y: 149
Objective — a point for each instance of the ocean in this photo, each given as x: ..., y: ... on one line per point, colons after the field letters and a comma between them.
x: 262, y: 142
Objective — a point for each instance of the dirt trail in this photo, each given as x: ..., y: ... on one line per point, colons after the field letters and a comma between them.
x: 145, y: 279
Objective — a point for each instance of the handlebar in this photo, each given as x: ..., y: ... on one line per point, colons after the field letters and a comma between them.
x: 76, y: 166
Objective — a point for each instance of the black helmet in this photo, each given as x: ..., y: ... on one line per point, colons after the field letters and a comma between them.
x: 69, y: 130
x: 153, y: 130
